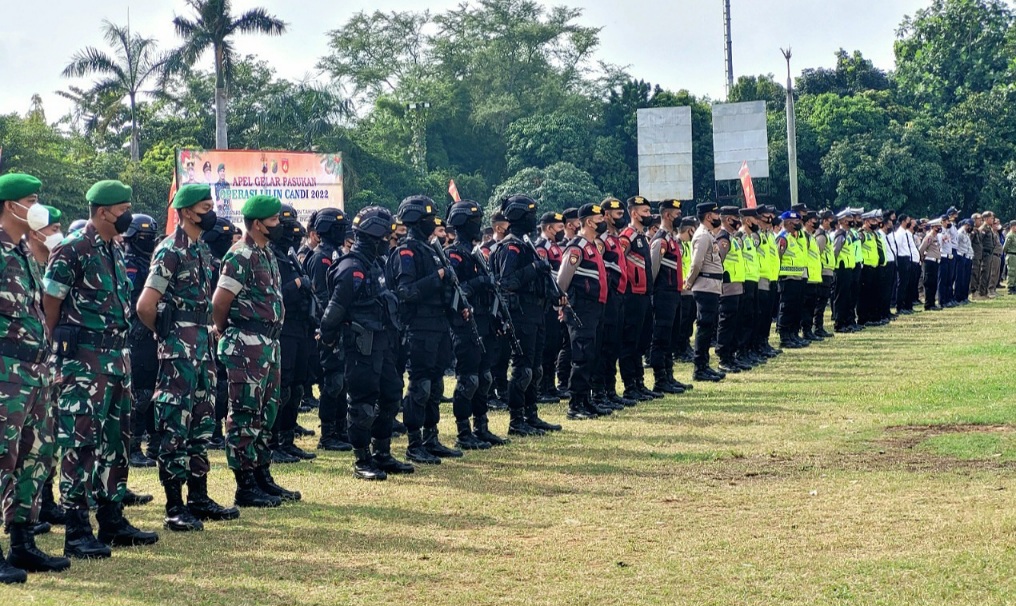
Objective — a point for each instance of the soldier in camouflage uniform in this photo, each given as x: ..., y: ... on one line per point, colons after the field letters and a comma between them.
x: 248, y: 314
x: 87, y: 300
x: 26, y: 426
x: 180, y: 279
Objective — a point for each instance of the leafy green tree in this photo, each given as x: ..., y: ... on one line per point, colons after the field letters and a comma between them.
x: 760, y: 88
x: 835, y: 118
x: 538, y: 141
x: 557, y: 187
x: 853, y: 74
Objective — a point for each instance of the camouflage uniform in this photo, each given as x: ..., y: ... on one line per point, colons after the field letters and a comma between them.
x: 185, y: 385
x: 26, y: 424
x: 249, y: 350
x: 94, y: 386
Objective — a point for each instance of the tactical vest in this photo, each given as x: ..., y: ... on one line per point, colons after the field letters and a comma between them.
x: 671, y: 263
x: 617, y: 270
x: 794, y: 263
x: 769, y: 256
x: 590, y: 279
x: 635, y: 260
x: 749, y: 252
x: 869, y: 250
x: 845, y: 260
x: 550, y: 252
x: 814, y: 259
x: 733, y: 263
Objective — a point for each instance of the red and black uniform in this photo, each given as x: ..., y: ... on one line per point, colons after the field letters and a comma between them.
x: 666, y: 304
x: 588, y: 292
x: 612, y: 321
x: 637, y: 300
x: 549, y: 251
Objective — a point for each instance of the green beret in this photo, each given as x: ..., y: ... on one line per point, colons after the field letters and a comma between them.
x: 54, y: 214
x: 191, y: 194
x: 109, y: 193
x: 261, y: 207
x: 15, y: 186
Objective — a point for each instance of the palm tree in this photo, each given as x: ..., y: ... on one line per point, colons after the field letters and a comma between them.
x: 134, y: 61
x: 212, y: 28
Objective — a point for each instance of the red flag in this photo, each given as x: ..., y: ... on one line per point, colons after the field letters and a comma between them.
x: 453, y: 191
x: 747, y: 186
x: 171, y: 217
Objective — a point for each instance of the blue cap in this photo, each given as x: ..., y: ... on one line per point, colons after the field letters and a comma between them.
x: 789, y: 215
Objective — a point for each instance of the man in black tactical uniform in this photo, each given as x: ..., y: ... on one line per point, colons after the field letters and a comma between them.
x: 140, y: 240
x: 365, y: 311
x: 219, y: 239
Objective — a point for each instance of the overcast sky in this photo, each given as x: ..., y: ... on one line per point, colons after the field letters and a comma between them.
x: 675, y: 43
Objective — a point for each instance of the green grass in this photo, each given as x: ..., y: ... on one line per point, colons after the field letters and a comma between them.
x: 848, y: 473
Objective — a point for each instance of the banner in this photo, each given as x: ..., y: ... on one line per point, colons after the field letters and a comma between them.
x: 748, y: 187
x: 304, y: 180
x: 453, y: 191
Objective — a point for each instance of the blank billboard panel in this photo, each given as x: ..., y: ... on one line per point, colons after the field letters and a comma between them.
x: 740, y: 135
x: 665, y: 162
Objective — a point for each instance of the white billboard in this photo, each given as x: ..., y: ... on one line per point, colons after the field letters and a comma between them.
x: 740, y: 135
x: 665, y: 162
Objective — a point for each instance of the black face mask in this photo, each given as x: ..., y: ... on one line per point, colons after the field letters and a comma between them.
x: 426, y: 227
x: 220, y: 246
x: 123, y: 222
x: 601, y: 228
x: 276, y: 233
x: 469, y: 232
x: 525, y: 225
x: 715, y: 223
x: 442, y: 241
x: 559, y: 237
x: 334, y: 236
x: 621, y: 222
x: 206, y: 221
x: 753, y: 228
x: 144, y: 245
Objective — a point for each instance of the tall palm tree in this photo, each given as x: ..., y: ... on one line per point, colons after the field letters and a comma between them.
x: 134, y: 61
x: 212, y: 28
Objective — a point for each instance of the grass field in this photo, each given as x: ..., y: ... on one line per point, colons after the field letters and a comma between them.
x: 875, y: 469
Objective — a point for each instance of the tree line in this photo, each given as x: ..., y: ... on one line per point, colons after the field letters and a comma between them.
x: 509, y: 95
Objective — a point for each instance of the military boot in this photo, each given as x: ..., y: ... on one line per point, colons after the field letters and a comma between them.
x: 330, y: 439
x: 41, y: 528
x: 364, y: 467
x: 51, y: 511
x: 79, y: 542
x: 517, y: 425
x: 578, y: 409
x: 131, y: 498
x: 417, y: 452
x: 248, y: 494
x: 662, y: 384
x: 302, y: 432
x: 217, y: 441
x: 601, y: 404
x: 481, y: 429
x: 705, y: 373
x: 279, y: 454
x: 612, y: 396
x: 136, y: 457
x: 435, y: 447
x: 27, y: 556
x: 465, y: 440
x: 288, y: 443
x: 9, y: 574
x: 398, y: 429
x: 265, y: 481
x: 632, y: 392
x: 179, y: 517
x: 202, y: 505
x: 116, y: 531
x: 383, y: 459
x: 673, y: 381
x: 650, y: 393
x: 534, y: 421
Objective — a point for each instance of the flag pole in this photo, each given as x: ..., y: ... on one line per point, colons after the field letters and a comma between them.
x: 791, y: 132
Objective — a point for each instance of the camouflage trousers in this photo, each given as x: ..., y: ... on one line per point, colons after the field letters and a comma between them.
x: 92, y: 432
x: 184, y: 417
x: 254, y: 384
x: 26, y: 449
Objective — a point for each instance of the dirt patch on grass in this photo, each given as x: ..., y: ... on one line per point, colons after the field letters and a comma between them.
x: 909, y: 436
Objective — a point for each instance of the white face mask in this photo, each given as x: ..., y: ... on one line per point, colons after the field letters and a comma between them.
x: 36, y: 216
x: 53, y: 240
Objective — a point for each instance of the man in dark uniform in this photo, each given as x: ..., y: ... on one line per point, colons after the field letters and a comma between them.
x: 472, y: 364
x: 793, y: 253
x: 705, y: 280
x: 423, y: 286
x: 296, y: 343
x: 330, y: 225
x: 525, y: 279
x: 665, y: 252
x: 637, y: 299
x: 583, y: 276
x: 605, y: 397
x: 727, y: 327
x: 140, y: 239
x: 364, y: 309
x: 498, y: 399
x: 548, y: 247
x: 219, y: 239
x: 571, y: 229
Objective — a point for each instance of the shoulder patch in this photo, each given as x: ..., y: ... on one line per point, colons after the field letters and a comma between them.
x: 514, y: 248
x: 326, y: 261
x: 574, y: 257
x: 590, y: 249
x: 405, y: 252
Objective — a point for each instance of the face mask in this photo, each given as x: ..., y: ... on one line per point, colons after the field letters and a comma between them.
x: 276, y: 233
x: 426, y: 226
x: 123, y: 222
x: 143, y: 245
x: 715, y: 223
x: 601, y: 228
x: 220, y: 247
x: 207, y: 221
x: 442, y: 241
x: 621, y: 222
x: 559, y: 237
x: 52, y: 240
x: 36, y: 216
x: 753, y: 228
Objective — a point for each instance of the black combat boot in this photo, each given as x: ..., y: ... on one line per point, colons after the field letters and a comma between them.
x: 79, y: 542
x: 26, y: 556
x: 263, y: 476
x: 632, y: 392
x: 51, y: 511
x: 673, y: 381
x: 288, y: 444
x: 384, y: 460
x: 398, y: 429
x: 41, y: 528
x: 248, y: 494
x: 217, y: 441
x: 136, y: 457
x: 534, y: 421
x: 364, y: 467
x: 578, y: 409
x: 302, y: 432
x: 9, y: 574
x: 331, y: 441
x: 279, y: 454
x: 466, y: 440
x: 116, y: 531
x: 202, y: 505
x: 482, y: 432
x: 179, y: 517
x: 662, y: 384
x: 131, y: 498
x: 435, y: 447
x: 705, y: 373
x: 417, y: 452
x: 612, y: 396
x: 517, y: 425
x: 655, y: 395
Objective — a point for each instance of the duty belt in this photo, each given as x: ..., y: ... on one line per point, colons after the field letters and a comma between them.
x: 711, y: 276
x: 265, y: 329
x: 197, y: 317
x: 101, y: 340
x: 23, y: 352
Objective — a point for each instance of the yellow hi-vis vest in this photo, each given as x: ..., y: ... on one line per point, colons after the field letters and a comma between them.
x: 769, y: 256
x: 752, y: 268
x: 858, y: 254
x: 794, y: 263
x: 869, y: 250
x: 685, y: 260
x: 845, y: 259
x: 828, y: 258
x: 814, y: 259
x: 733, y: 262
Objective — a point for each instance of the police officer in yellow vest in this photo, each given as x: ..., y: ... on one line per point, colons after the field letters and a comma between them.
x: 814, y: 282
x: 768, y: 282
x: 748, y: 239
x: 855, y: 230
x: 683, y: 351
x: 823, y: 236
x: 843, y: 273
x: 793, y: 252
x: 872, y: 258
x: 733, y: 288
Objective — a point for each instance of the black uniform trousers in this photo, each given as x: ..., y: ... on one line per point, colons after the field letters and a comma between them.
x: 886, y: 282
x: 610, y: 342
x: 808, y: 305
x: 856, y: 294
x: 526, y: 368
x: 707, y: 311
x: 295, y: 358
x: 583, y: 344
x: 867, y: 305
x: 564, y: 360
x: 421, y: 405
x: 471, y: 363
x: 728, y: 327
x: 375, y: 388
x: 791, y: 302
x: 666, y: 327
x: 332, y: 410
x: 144, y: 368
x: 763, y: 317
x: 746, y: 317
x: 551, y: 348
x: 686, y: 324
x: 824, y: 291
x: 930, y: 283
x: 632, y: 335
x: 843, y: 310
x: 903, y: 276
x: 499, y: 371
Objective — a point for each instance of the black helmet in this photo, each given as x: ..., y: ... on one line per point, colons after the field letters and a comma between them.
x: 516, y: 206
x: 323, y: 220
x: 374, y: 221
x: 413, y: 209
x: 288, y: 214
x: 143, y: 225
x: 77, y: 225
x: 311, y: 220
x: 463, y: 211
x: 224, y: 229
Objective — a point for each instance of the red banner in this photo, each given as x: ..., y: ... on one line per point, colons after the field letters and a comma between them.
x: 747, y: 186
x: 453, y: 191
x: 171, y: 218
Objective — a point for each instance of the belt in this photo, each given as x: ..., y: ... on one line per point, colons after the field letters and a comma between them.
x: 711, y: 276
x: 101, y: 340
x: 23, y: 352
x: 197, y: 317
x: 272, y: 331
